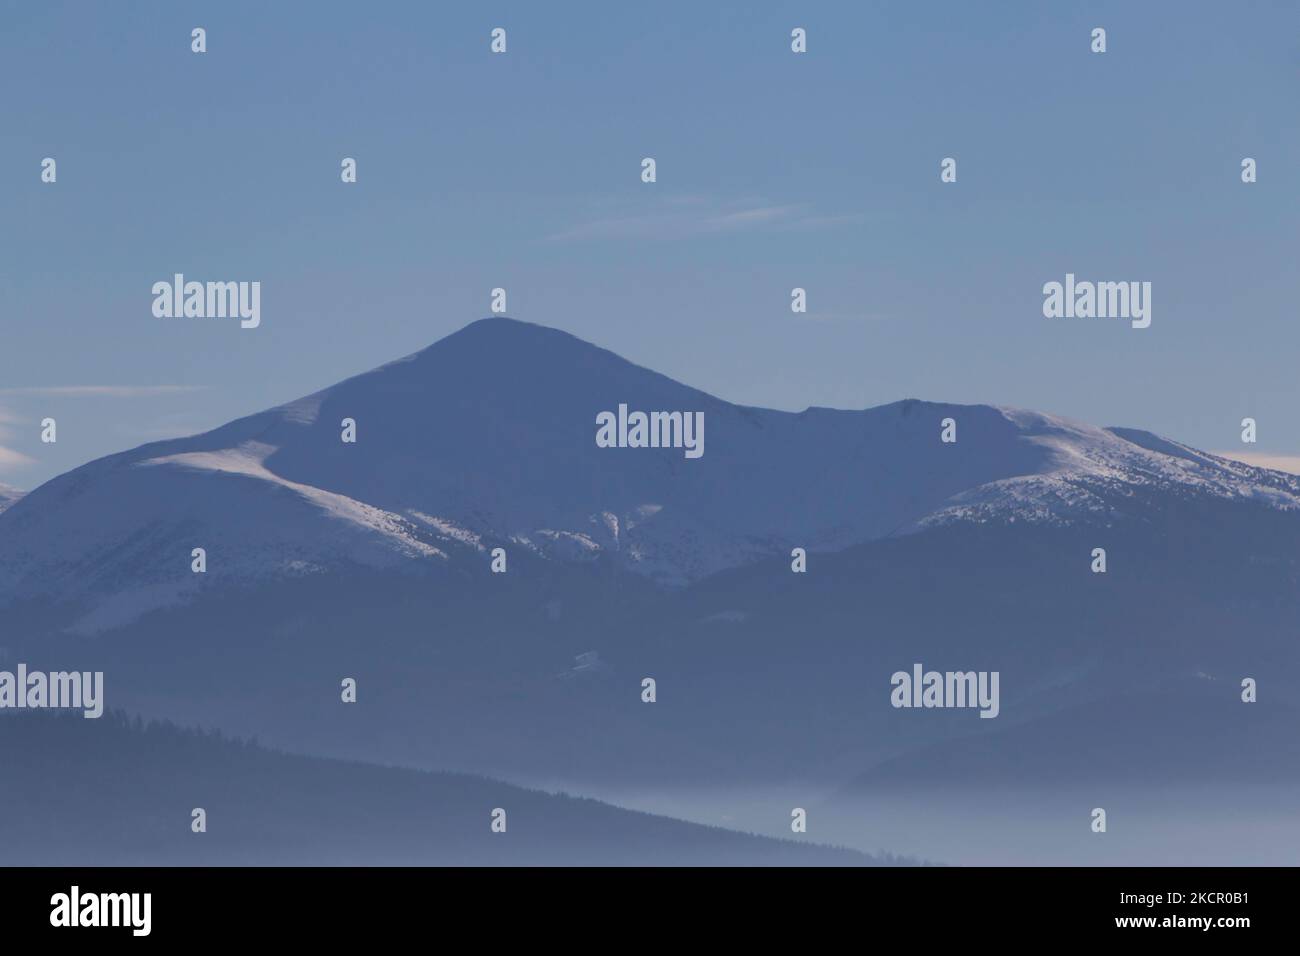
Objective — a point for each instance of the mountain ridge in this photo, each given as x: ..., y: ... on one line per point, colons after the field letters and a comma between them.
x: 485, y: 439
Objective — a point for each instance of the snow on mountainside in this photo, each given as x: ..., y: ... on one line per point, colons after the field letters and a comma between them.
x: 487, y: 438
x: 1108, y: 473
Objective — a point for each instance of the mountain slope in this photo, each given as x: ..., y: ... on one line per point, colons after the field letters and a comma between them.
x: 118, y: 793
x: 487, y: 438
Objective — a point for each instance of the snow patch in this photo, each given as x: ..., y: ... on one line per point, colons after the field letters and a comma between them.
x: 248, y: 460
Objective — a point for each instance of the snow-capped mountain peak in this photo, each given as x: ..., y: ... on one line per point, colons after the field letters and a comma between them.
x: 488, y: 438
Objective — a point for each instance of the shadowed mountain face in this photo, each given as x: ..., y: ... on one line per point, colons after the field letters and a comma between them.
x: 8, y: 496
x: 371, y: 560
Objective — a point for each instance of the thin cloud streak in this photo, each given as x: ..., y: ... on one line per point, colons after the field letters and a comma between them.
x: 102, y: 391
x: 692, y: 217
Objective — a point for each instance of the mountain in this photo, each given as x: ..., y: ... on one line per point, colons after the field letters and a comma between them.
x: 117, y: 792
x: 328, y: 560
x: 487, y: 439
x: 8, y: 496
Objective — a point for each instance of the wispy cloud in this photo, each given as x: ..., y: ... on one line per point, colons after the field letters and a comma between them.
x: 1263, y: 459
x: 8, y: 419
x: 10, y: 459
x: 686, y: 217
x: 102, y: 391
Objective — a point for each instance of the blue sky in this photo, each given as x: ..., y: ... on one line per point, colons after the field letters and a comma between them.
x: 775, y: 170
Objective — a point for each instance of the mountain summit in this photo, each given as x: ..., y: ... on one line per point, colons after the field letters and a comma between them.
x: 488, y: 438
